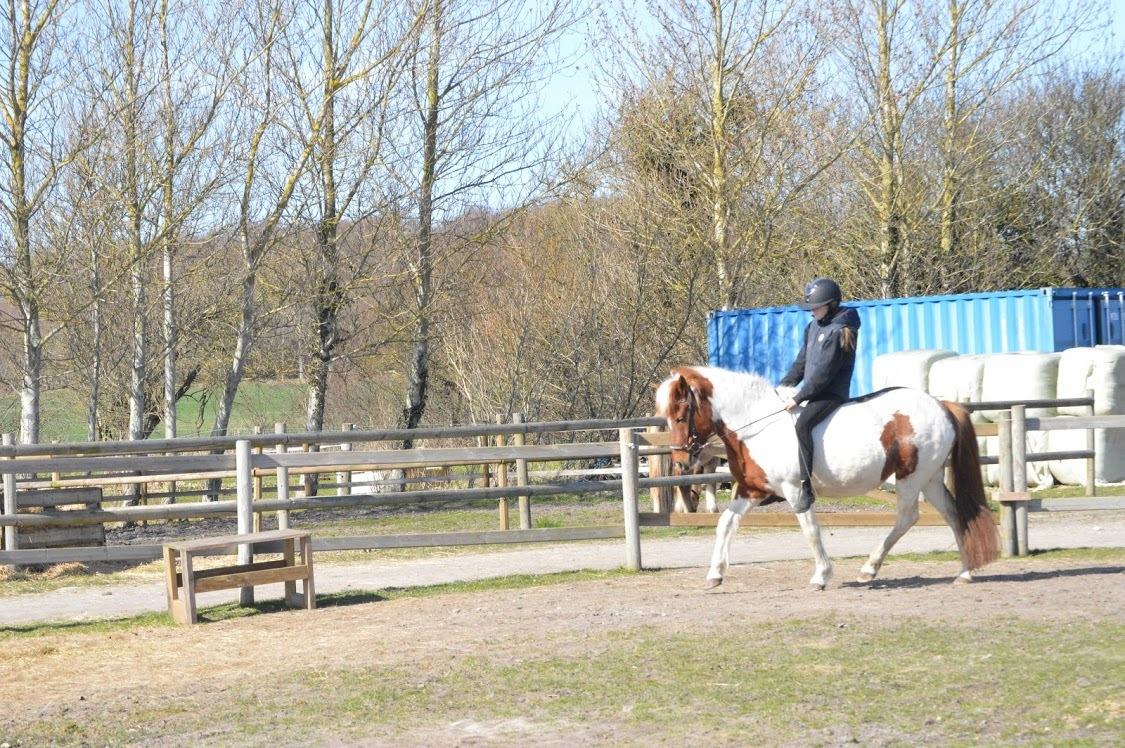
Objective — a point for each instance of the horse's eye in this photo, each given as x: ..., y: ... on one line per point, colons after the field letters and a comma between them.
x: 681, y: 419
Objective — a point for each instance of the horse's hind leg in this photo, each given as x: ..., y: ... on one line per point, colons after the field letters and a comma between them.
x: 724, y: 534
x: 941, y: 500
x: 710, y: 504
x: 822, y: 574
x: 907, y: 516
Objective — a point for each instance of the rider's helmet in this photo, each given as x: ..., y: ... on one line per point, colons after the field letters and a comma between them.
x: 821, y: 291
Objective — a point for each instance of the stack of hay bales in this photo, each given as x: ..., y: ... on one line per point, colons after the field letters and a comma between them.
x: 906, y: 368
x: 977, y: 378
x: 1101, y: 369
x: 959, y: 379
x: 1020, y: 376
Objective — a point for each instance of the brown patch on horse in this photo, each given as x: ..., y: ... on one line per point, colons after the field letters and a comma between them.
x: 696, y: 381
x: 750, y: 480
x: 902, y: 454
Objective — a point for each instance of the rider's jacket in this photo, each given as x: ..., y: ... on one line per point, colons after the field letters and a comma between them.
x: 823, y: 365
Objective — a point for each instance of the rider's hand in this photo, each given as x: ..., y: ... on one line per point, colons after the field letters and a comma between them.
x: 790, y: 404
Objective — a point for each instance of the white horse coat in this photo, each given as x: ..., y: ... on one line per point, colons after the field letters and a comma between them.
x: 901, y: 432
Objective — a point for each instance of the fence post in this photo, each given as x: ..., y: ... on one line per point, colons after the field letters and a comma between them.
x: 282, y: 481
x: 345, y: 486
x: 1091, y: 488
x: 11, y: 532
x: 1019, y: 473
x: 1008, y: 545
x: 257, y: 484
x: 519, y: 440
x: 243, y: 465
x: 485, y: 477
x: 659, y: 465
x: 629, y: 477
x: 502, y: 479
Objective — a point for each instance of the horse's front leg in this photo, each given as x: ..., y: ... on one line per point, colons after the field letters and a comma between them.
x: 724, y: 534
x: 822, y: 574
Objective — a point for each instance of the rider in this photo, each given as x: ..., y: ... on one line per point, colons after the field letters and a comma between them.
x: 824, y: 365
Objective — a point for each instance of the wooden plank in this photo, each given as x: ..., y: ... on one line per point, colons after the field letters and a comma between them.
x: 1008, y: 497
x: 428, y: 457
x: 178, y: 464
x: 58, y: 497
x: 1076, y: 422
x: 238, y: 569
x: 251, y: 578
x: 310, y: 585
x: 62, y: 537
x: 227, y: 540
x: 429, y: 540
x: 146, y: 552
x: 785, y: 519
x: 207, y: 443
x: 986, y: 429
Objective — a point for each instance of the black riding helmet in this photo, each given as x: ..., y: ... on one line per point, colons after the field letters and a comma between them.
x: 821, y: 291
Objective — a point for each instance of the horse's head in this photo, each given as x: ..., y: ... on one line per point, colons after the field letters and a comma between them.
x: 684, y: 399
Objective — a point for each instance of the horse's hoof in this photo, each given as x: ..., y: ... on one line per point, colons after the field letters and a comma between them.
x: 712, y: 584
x: 817, y: 587
x: 865, y: 578
x: 963, y: 580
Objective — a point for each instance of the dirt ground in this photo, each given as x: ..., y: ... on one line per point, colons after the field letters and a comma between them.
x: 126, y: 667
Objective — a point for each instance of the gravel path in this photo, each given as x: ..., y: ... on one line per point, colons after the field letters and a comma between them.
x: 1055, y: 530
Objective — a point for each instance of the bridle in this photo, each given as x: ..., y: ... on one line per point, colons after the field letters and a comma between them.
x: 695, y: 444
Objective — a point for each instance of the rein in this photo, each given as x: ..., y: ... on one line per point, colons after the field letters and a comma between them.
x: 696, y: 445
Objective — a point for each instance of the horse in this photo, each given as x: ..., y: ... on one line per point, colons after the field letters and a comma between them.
x: 901, y: 432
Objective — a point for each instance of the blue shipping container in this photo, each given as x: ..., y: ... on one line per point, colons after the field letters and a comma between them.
x: 766, y: 340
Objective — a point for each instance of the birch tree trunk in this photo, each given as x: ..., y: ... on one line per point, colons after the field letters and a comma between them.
x: 423, y: 260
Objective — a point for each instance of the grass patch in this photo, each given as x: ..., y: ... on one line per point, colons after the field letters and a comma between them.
x: 822, y: 680
x: 63, y: 412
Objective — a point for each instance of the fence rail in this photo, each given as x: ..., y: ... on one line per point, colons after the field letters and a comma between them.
x: 279, y: 456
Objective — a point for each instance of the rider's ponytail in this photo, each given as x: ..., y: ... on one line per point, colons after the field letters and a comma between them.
x: 847, y: 339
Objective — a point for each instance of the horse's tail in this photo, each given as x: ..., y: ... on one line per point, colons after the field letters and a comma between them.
x: 978, y: 530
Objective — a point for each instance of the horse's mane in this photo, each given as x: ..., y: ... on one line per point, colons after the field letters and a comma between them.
x: 733, y: 393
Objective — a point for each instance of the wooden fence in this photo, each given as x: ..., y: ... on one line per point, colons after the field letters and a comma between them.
x: 130, y: 463
x: 281, y: 456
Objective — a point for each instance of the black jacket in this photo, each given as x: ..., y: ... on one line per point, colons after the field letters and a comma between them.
x: 823, y: 364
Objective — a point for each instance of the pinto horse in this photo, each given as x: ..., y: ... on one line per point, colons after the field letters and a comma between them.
x: 901, y: 432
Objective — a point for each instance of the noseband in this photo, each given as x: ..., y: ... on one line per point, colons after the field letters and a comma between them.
x: 695, y: 444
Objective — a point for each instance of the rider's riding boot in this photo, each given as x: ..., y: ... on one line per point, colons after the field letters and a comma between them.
x: 805, y: 499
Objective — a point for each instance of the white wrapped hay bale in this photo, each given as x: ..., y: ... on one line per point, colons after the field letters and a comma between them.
x: 1101, y: 369
x: 1038, y: 473
x: 1109, y: 459
x: 1020, y: 376
x: 958, y: 379
x: 373, y: 481
x: 905, y: 369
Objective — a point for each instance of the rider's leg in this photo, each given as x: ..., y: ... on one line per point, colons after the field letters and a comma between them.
x: 813, y: 413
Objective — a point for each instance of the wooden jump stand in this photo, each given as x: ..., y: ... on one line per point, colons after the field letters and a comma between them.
x: 292, y: 567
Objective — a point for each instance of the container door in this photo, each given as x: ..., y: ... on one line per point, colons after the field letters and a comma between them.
x: 1075, y: 318
x: 1111, y: 318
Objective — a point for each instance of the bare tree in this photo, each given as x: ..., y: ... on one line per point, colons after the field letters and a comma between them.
x: 270, y: 171
x: 734, y: 89
x: 475, y: 78
x: 347, y: 104
x: 39, y: 140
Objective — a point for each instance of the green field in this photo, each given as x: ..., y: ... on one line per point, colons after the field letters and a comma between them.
x: 63, y: 412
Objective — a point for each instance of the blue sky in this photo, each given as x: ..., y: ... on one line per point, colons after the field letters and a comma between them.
x: 574, y: 87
